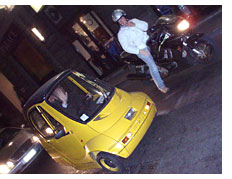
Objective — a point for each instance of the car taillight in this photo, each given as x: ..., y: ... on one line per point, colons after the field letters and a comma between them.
x: 127, y: 137
x: 148, y: 105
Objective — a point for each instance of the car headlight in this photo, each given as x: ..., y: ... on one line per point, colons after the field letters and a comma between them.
x: 183, y: 25
x: 35, y: 139
x: 5, y: 168
x: 10, y: 164
x: 130, y: 114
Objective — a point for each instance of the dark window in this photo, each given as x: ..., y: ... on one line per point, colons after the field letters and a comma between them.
x: 54, y: 122
x: 6, y: 135
x: 40, y: 124
x: 80, y: 98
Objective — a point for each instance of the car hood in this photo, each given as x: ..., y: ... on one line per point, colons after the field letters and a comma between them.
x: 9, y: 149
x: 111, y: 121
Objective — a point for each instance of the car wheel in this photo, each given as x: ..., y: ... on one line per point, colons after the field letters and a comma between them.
x: 111, y: 163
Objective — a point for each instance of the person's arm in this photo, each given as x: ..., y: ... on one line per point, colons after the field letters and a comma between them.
x: 124, y: 41
x: 142, y: 25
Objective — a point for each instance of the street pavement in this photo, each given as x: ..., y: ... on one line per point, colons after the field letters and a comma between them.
x: 186, y: 135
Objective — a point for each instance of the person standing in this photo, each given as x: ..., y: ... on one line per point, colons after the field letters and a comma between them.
x: 133, y: 37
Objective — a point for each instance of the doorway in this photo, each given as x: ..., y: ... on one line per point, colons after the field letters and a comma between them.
x: 90, y: 38
x: 31, y: 60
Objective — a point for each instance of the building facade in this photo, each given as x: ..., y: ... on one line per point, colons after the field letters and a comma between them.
x: 72, y: 37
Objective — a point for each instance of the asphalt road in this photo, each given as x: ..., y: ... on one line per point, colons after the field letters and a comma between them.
x: 186, y: 136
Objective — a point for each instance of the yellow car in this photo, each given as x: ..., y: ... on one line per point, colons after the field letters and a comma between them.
x: 87, y: 123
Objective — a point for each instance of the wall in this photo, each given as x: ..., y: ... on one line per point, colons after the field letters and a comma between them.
x: 7, y: 89
x: 59, y: 53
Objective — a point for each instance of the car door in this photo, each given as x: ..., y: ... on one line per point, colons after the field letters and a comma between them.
x: 66, y: 144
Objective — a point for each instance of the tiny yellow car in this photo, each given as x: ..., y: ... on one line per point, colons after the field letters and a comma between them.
x: 87, y: 123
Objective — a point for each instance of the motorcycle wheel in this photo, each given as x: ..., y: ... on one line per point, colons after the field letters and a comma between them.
x: 207, y: 48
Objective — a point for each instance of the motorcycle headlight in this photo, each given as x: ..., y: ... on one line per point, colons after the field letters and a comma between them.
x: 183, y: 25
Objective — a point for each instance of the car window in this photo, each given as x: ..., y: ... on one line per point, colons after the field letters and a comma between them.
x: 40, y: 124
x: 79, y: 98
x: 7, y: 135
x: 54, y: 122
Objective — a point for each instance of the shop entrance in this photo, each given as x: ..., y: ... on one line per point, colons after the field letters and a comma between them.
x: 91, y: 38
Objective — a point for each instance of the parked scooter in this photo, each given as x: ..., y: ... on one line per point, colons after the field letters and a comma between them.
x: 171, y: 34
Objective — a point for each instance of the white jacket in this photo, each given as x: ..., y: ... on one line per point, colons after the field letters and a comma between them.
x: 132, y: 39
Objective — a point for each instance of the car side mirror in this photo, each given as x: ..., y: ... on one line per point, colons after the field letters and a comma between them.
x: 60, y: 134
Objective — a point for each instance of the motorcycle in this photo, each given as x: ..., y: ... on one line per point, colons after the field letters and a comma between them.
x: 171, y: 34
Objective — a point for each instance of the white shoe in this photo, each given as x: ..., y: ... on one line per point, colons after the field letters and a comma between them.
x: 164, y: 90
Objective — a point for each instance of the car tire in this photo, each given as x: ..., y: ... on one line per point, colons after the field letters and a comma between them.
x: 110, y: 163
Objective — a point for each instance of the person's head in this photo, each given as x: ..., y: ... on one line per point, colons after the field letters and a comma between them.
x: 61, y: 95
x: 118, y: 15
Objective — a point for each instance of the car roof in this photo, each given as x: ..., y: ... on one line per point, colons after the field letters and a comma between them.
x: 40, y: 94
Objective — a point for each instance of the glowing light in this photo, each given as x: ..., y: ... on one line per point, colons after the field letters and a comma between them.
x: 147, y: 107
x: 35, y: 139
x: 10, y: 164
x: 183, y: 25
x: 49, y: 130
x: 10, y: 144
x: 38, y: 34
x: 4, y: 169
x: 29, y: 155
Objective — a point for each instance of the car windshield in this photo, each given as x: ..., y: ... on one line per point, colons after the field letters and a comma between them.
x: 80, y: 98
x: 6, y: 135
